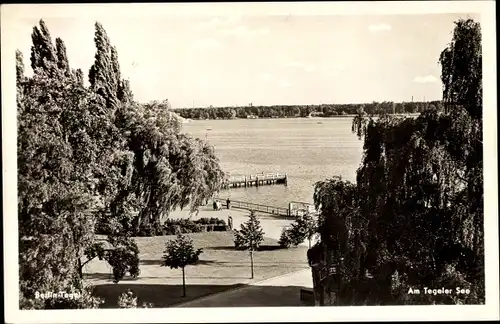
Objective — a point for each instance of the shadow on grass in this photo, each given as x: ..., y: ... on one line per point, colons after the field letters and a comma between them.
x: 264, y: 216
x: 98, y: 276
x: 261, y: 248
x: 109, y: 277
x: 208, y: 262
x: 158, y: 295
x: 162, y: 296
x: 159, y: 262
x: 258, y: 264
x: 270, y: 248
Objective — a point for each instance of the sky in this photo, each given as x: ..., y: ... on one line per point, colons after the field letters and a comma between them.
x: 238, y: 59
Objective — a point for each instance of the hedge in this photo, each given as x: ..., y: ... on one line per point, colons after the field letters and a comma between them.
x: 173, y: 226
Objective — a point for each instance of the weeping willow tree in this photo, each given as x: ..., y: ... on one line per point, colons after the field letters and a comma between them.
x: 169, y: 169
x: 415, y: 216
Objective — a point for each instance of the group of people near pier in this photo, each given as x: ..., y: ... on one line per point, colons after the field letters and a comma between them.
x: 218, y: 205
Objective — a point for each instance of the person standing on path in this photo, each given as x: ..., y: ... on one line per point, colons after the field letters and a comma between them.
x: 228, y: 202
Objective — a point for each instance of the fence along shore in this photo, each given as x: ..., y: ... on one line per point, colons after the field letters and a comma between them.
x: 295, y: 208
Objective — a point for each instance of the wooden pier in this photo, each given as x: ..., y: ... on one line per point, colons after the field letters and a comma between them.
x: 293, y: 209
x: 256, y: 180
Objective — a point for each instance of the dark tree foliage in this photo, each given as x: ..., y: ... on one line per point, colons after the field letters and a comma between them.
x: 323, y: 110
x: 415, y: 216
x: 91, y: 157
x: 303, y: 228
x: 168, y: 170
x: 62, y: 57
x: 129, y: 300
x: 19, y: 68
x: 180, y: 253
x: 42, y: 51
x: 250, y: 235
x: 461, y: 65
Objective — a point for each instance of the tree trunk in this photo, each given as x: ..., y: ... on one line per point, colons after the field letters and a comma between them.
x: 251, y: 262
x: 80, y: 267
x: 183, y: 283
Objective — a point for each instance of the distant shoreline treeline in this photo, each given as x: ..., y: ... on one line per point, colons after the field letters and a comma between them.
x: 287, y: 111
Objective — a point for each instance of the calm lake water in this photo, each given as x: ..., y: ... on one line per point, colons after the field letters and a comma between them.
x: 308, y: 150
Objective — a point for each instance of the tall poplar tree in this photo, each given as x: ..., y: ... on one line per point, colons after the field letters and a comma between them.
x: 19, y: 67
x: 105, y: 75
x: 43, y: 51
x: 62, y: 56
x: 102, y: 76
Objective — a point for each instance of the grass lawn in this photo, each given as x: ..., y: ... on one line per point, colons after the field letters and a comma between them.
x: 221, y: 267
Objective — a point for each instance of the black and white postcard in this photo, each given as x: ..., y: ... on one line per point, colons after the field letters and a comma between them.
x: 229, y: 162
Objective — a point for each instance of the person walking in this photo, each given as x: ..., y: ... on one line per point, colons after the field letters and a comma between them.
x: 227, y: 203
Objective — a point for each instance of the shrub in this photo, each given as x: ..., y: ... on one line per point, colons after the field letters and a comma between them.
x: 297, y: 235
x: 157, y: 229
x: 250, y: 234
x: 292, y: 236
x: 180, y: 253
x: 188, y: 226
x: 210, y: 221
x: 170, y: 229
x: 129, y: 300
x: 146, y: 230
x: 221, y: 228
x: 175, y: 226
x: 285, y: 240
x: 238, y: 241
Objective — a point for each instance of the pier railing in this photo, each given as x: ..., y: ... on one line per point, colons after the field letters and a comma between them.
x: 256, y: 207
x: 280, y: 211
x: 260, y: 176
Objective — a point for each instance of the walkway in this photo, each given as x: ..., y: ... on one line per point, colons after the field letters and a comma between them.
x: 278, y: 291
